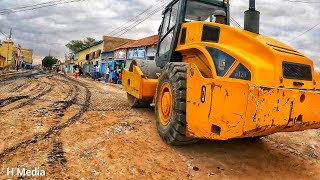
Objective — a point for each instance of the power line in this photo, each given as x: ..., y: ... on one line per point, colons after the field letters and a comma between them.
x: 235, y: 23
x: 144, y: 11
x: 3, y: 34
x: 298, y: 1
x: 304, y: 33
x: 67, y: 2
x: 144, y: 16
x: 140, y: 20
x: 23, y: 7
x: 28, y: 9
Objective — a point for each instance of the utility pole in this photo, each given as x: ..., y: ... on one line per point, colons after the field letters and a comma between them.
x: 8, y: 39
x: 7, y: 54
x: 10, y: 33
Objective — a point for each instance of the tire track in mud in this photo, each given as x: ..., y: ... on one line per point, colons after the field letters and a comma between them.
x: 7, y: 101
x: 34, y: 98
x: 25, y: 84
x: 53, y: 107
x: 57, y: 156
x: 15, y: 85
x: 59, y: 107
x: 18, y: 87
x: 10, y: 100
x: 12, y: 86
x: 56, y: 129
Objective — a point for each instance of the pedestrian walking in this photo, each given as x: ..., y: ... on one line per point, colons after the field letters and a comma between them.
x: 113, y: 76
x: 94, y: 72
x: 117, y: 76
x: 107, y: 75
x: 120, y: 78
x: 80, y: 71
x: 98, y: 72
x: 77, y: 73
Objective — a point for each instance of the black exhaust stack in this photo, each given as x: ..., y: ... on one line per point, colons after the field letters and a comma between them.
x: 252, y: 18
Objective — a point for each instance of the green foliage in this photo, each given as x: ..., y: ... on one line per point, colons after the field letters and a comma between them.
x: 75, y: 45
x: 89, y: 41
x: 49, y: 61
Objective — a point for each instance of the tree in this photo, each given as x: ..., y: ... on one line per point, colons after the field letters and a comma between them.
x: 76, y: 45
x: 89, y: 41
x: 49, y: 61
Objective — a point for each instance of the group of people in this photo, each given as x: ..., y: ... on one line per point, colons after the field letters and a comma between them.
x: 115, y: 75
x: 96, y: 73
x: 78, y: 72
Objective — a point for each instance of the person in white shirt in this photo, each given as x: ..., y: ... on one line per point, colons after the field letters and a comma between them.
x: 107, y: 75
x: 98, y: 72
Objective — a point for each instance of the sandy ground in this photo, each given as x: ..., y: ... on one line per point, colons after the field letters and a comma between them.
x: 80, y: 129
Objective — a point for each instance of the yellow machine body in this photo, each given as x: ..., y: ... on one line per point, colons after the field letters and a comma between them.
x: 137, y: 85
x: 235, y: 109
x: 223, y: 107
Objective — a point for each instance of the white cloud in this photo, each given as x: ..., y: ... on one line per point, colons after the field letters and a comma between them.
x: 49, y: 29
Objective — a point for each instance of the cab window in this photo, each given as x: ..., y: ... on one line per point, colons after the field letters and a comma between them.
x: 165, y: 23
x: 198, y: 11
x: 169, y: 21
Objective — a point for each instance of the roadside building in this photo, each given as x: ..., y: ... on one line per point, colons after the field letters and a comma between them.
x: 110, y: 44
x: 89, y: 56
x: 10, y: 55
x: 69, y: 62
x: 26, y: 58
x: 145, y: 48
x: 82, y: 57
x: 95, y: 53
x: 2, y: 61
x: 120, y: 56
x: 98, y: 53
x: 7, y: 50
x: 62, y: 66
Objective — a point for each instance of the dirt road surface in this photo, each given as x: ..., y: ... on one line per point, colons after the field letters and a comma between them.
x: 81, y: 129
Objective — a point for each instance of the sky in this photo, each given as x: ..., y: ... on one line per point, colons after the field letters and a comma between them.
x: 47, y: 30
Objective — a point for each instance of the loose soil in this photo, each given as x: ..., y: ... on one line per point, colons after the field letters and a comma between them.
x: 77, y: 129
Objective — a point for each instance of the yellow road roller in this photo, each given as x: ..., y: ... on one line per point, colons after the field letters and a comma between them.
x: 213, y: 81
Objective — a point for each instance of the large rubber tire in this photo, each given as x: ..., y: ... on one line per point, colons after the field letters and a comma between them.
x: 174, y: 132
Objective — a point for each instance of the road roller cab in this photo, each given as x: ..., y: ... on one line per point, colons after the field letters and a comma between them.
x: 210, y: 80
